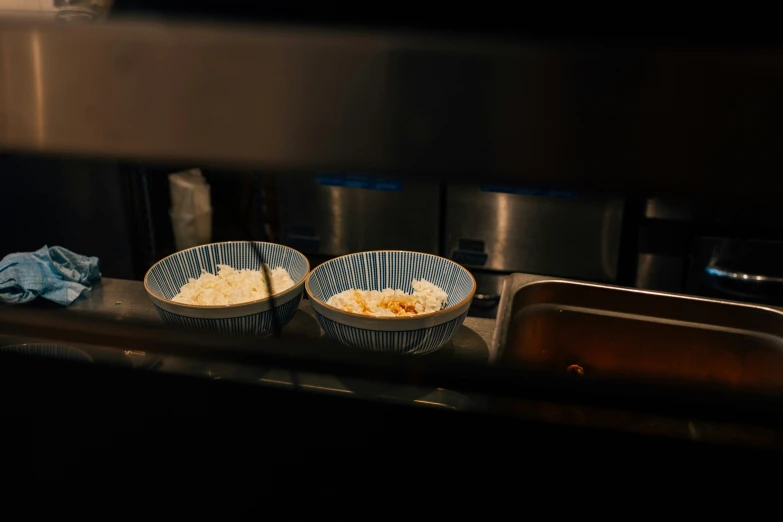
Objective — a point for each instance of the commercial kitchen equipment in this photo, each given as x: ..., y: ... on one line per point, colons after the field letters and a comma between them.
x: 498, y: 229
x: 331, y: 214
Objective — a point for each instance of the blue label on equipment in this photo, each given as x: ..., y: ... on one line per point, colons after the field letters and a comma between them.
x: 508, y: 189
x: 361, y: 182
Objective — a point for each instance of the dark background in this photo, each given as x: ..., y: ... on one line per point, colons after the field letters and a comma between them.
x: 546, y: 22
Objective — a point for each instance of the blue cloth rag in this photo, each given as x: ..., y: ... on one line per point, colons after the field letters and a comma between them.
x: 55, y: 273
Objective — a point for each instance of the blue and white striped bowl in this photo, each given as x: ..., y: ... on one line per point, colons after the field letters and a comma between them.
x: 164, y: 280
x: 390, y: 269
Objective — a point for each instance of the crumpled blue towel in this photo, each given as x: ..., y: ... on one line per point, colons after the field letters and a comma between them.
x: 55, y: 273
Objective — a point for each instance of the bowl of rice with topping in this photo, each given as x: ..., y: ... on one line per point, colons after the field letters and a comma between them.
x: 223, y: 287
x: 391, y: 301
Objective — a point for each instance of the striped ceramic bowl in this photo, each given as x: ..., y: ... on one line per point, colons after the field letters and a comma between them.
x: 167, y: 276
x: 390, y: 269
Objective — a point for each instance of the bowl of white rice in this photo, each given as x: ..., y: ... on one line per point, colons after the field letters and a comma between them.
x: 223, y: 287
x: 391, y: 301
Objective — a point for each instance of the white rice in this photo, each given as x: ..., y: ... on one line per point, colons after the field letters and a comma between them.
x: 231, y: 286
x: 425, y: 299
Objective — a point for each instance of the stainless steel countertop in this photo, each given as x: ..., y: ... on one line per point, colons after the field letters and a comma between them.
x: 124, y: 300
x: 121, y: 301
x: 127, y: 302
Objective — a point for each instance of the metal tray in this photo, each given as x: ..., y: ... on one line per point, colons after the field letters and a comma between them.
x: 607, y: 331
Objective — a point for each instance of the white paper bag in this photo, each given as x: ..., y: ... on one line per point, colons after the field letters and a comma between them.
x: 191, y: 209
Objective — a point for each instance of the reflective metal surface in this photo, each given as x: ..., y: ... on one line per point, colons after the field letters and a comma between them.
x: 438, y: 398
x: 667, y: 208
x: 549, y: 398
x: 489, y: 286
x: 334, y: 220
x: 693, y: 429
x: 123, y: 304
x: 619, y: 332
x: 660, y: 272
x: 306, y: 99
x: 577, y: 238
x: 55, y: 10
x: 663, y: 237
